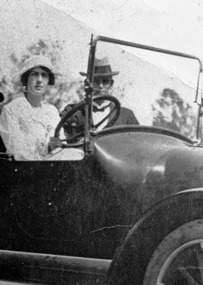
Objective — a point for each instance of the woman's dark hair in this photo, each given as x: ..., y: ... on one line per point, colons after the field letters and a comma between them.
x: 24, y: 76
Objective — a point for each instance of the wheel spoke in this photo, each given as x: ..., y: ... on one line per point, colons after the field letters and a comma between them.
x: 200, y: 263
x: 179, y: 257
x: 187, y: 276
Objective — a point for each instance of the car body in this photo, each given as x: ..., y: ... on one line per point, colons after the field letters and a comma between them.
x: 138, y: 188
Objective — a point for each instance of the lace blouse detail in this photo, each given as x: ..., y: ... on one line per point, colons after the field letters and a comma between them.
x: 26, y: 130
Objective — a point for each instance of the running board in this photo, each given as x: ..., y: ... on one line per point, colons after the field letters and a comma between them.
x: 33, y: 268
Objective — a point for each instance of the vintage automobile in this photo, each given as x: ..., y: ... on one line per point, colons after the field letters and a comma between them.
x: 129, y: 212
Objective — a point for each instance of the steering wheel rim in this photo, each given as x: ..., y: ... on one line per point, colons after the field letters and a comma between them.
x: 115, y: 111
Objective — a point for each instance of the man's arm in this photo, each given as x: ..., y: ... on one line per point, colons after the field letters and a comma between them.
x: 132, y: 120
x: 75, y: 124
x: 126, y: 117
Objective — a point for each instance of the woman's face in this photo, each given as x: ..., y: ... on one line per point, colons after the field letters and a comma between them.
x: 38, y: 80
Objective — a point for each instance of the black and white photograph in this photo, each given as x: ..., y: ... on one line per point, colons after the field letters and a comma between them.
x: 101, y: 142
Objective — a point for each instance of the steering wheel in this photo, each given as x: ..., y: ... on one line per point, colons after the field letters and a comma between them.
x: 79, y: 130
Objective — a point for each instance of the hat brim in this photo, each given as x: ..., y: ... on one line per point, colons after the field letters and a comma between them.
x: 18, y: 75
x: 24, y: 70
x: 101, y: 74
x: 32, y: 62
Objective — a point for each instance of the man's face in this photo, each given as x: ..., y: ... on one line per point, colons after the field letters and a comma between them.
x: 102, y: 85
x: 38, y: 80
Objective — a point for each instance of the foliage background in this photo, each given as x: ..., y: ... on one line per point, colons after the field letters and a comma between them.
x: 169, y: 110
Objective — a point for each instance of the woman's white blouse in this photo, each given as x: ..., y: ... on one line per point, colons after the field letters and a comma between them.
x: 26, y: 130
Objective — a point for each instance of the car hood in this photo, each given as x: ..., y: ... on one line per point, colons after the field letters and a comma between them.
x: 145, y: 155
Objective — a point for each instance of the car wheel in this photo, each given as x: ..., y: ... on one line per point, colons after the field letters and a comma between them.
x: 179, y: 257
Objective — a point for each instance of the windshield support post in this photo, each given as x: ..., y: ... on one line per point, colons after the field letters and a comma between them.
x: 88, y: 143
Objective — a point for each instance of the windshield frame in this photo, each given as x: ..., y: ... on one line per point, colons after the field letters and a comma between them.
x: 90, y: 75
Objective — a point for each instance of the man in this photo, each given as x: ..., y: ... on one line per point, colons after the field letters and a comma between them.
x: 102, y: 84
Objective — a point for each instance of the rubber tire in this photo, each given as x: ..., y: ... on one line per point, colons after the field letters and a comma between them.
x: 186, y: 233
x: 133, y: 256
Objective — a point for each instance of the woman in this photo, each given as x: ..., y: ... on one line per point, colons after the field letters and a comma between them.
x: 27, y: 123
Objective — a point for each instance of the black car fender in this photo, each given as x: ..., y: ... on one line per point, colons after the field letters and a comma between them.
x: 132, y: 257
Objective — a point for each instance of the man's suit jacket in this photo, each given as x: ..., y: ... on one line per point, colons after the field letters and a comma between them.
x: 76, y: 123
x: 126, y: 117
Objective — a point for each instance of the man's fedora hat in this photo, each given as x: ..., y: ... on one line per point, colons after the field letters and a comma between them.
x: 102, y: 68
x: 34, y: 61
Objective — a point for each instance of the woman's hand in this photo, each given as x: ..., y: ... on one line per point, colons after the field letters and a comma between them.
x: 54, y: 143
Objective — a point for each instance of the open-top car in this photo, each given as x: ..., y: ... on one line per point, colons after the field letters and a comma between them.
x: 132, y: 205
